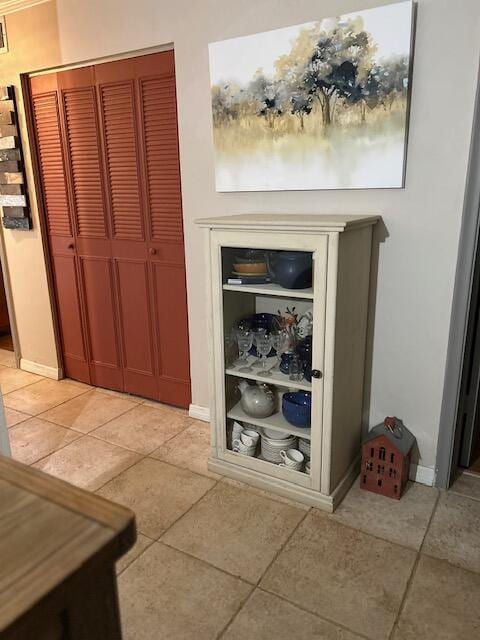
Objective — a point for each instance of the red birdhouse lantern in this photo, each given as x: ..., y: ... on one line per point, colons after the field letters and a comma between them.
x: 386, y: 453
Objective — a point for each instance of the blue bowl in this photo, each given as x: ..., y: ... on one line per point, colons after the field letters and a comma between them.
x: 297, y: 408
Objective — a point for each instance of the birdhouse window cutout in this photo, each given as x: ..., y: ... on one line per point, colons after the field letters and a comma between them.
x: 386, y: 454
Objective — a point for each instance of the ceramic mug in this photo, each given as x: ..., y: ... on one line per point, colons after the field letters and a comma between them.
x: 292, y: 457
x: 249, y: 437
x: 240, y: 447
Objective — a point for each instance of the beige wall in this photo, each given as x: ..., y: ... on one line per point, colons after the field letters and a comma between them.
x: 418, y: 256
x: 417, y: 259
x: 33, y: 44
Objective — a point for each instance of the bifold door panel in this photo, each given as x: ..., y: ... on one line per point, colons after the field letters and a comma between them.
x: 107, y: 147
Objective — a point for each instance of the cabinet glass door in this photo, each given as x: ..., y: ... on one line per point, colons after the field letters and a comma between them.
x: 269, y: 340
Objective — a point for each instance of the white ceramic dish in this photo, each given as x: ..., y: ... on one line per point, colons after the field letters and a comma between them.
x: 273, y: 434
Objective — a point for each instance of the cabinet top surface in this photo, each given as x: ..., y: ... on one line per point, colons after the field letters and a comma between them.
x: 49, y: 529
x: 302, y: 222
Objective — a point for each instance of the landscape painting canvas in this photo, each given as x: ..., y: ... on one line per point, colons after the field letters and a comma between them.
x: 321, y: 105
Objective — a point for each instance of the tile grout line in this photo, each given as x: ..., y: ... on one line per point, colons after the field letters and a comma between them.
x: 150, y: 542
x: 462, y: 495
x: 24, y: 387
x: 205, y: 562
x: 53, y: 423
x: 331, y: 517
x: 189, y: 508
x: 115, y: 477
x: 256, y: 584
x: 37, y: 415
x: 83, y: 433
x: 412, y: 573
x: 315, y: 614
x: 243, y: 604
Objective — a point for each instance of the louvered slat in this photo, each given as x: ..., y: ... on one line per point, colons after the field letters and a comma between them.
x: 81, y: 122
x: 45, y: 113
x: 121, y: 155
x: 161, y: 150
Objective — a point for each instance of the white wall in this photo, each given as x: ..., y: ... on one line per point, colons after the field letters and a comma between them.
x: 417, y: 259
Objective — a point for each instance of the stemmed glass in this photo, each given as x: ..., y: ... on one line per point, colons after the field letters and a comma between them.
x: 264, y: 344
x: 244, y: 341
x: 279, y: 341
x: 258, y: 332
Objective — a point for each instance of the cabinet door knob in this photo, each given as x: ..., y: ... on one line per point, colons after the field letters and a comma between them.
x: 71, y: 246
x: 316, y: 373
x: 152, y: 251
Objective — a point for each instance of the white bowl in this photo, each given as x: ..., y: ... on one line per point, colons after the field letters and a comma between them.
x: 273, y: 434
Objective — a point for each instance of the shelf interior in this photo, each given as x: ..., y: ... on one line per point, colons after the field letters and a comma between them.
x: 275, y: 421
x: 277, y: 378
x: 272, y: 290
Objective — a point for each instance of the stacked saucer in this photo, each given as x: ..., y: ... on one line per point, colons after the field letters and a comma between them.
x: 304, y: 447
x: 271, y: 447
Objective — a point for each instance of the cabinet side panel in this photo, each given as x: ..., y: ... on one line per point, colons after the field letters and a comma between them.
x: 350, y: 341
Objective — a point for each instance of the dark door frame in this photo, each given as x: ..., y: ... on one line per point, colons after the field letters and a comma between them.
x: 449, y: 437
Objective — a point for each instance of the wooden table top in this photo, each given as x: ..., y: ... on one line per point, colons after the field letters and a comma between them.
x: 48, y: 530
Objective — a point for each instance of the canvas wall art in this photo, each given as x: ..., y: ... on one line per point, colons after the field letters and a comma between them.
x: 321, y: 105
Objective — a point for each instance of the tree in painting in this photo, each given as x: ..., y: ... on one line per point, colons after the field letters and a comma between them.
x: 331, y: 88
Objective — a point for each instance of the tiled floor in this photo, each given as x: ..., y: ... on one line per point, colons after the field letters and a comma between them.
x: 216, y: 559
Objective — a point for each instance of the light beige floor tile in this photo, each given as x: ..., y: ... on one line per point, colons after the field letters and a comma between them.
x: 235, y: 530
x: 442, y: 604
x: 342, y: 574
x: 189, y: 449
x: 143, y: 429
x: 7, y: 358
x: 138, y: 548
x: 34, y: 439
x: 13, y: 379
x: 265, y: 494
x: 403, y: 521
x: 88, y: 411
x: 454, y: 533
x: 162, y: 405
x: 14, y: 417
x: 157, y: 492
x: 41, y: 396
x: 76, y: 383
x: 267, y: 617
x: 120, y: 394
x: 467, y: 485
x: 166, y: 594
x: 88, y: 462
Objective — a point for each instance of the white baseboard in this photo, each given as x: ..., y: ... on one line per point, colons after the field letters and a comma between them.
x: 198, y: 412
x: 40, y: 369
x: 422, y: 475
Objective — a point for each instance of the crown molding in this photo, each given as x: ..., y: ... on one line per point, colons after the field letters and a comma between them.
x: 10, y: 6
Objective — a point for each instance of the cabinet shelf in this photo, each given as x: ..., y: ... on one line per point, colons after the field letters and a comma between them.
x: 271, y: 290
x: 277, y: 379
x: 275, y: 421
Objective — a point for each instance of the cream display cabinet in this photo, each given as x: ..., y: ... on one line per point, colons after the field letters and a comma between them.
x: 336, y: 303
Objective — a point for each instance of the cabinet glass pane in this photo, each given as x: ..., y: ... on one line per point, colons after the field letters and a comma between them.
x: 268, y: 324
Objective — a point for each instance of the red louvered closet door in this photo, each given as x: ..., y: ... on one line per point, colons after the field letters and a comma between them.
x: 120, y: 147
x: 46, y: 109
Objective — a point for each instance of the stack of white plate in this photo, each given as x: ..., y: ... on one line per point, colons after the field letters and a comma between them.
x: 271, y: 447
x: 304, y: 447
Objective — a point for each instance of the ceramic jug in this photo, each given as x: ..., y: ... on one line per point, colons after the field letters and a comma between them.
x: 290, y: 269
x: 258, y: 400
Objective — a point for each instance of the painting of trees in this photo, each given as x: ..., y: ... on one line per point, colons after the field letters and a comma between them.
x: 335, y: 78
